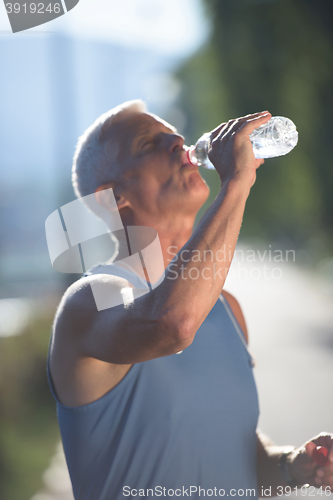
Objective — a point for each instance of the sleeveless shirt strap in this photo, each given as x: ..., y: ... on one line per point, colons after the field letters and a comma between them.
x: 237, y: 327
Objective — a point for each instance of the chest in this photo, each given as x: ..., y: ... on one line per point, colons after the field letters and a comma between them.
x: 213, y: 375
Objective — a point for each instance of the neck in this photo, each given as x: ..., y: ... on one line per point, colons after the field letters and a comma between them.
x: 173, y: 237
x: 138, y: 235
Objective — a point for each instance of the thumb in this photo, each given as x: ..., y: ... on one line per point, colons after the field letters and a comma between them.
x: 309, y: 448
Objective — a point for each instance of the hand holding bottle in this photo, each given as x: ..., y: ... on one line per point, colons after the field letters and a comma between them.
x: 277, y: 137
x: 229, y: 148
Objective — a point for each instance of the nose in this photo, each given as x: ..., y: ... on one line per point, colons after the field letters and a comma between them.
x: 174, y: 142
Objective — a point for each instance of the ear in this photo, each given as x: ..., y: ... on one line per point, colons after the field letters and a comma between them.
x: 103, y: 197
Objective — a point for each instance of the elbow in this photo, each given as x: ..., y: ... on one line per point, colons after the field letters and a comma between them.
x: 186, y: 331
x: 180, y: 332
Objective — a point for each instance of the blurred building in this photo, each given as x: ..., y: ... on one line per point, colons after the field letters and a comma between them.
x: 53, y: 87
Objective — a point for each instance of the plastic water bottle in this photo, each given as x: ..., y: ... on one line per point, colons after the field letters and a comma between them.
x: 277, y: 137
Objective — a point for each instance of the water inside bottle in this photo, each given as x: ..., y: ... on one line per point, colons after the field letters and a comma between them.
x: 275, y: 138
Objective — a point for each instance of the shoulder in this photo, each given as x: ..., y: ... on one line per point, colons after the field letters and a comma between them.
x: 237, y: 311
x: 81, y: 293
x: 82, y: 300
x: 79, y: 342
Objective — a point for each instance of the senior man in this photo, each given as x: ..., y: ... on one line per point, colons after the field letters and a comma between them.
x: 156, y: 396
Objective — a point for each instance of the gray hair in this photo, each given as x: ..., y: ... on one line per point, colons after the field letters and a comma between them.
x: 95, y: 155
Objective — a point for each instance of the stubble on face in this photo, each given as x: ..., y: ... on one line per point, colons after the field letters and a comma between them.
x: 152, y: 174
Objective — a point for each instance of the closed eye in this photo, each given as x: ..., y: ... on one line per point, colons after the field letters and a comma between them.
x: 147, y: 144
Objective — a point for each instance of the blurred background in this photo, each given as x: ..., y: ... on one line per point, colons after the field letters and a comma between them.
x: 196, y: 63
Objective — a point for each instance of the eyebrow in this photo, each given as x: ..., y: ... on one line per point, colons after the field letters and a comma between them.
x: 137, y: 138
x: 145, y: 131
x: 142, y: 132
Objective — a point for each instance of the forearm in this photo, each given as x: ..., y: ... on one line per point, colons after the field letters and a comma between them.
x: 193, y: 284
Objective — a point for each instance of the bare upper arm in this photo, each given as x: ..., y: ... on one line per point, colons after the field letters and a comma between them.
x: 237, y: 311
x: 119, y: 327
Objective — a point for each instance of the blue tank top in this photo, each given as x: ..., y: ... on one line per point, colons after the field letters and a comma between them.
x: 172, y: 425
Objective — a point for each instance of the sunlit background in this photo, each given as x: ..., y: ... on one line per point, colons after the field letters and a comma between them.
x: 196, y: 63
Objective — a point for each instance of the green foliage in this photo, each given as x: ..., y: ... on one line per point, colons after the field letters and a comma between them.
x: 28, y: 423
x: 275, y: 55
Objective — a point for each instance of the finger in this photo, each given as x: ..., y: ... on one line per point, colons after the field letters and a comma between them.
x: 221, y: 129
x: 230, y: 128
x: 225, y: 125
x: 309, y: 448
x: 324, y: 477
x: 235, y: 125
x: 330, y: 454
x: 218, y: 129
x: 251, y: 116
x: 326, y: 471
x: 250, y: 125
x: 324, y: 439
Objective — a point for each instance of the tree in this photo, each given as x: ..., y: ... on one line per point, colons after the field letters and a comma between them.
x: 275, y: 55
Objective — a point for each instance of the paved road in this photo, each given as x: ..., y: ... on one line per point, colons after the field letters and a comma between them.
x: 290, y: 323
x: 289, y: 313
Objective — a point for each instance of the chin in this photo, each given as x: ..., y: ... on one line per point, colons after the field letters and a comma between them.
x: 198, y: 192
x: 198, y: 185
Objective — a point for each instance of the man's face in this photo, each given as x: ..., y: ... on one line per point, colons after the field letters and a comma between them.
x: 156, y: 176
